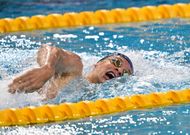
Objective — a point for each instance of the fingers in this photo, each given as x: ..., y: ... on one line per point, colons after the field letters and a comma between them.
x: 26, y: 87
x: 11, y: 90
x: 20, y: 83
x: 30, y: 81
x: 18, y: 86
x: 25, y: 84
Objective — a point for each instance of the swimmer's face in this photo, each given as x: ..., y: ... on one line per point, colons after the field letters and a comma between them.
x: 111, y: 67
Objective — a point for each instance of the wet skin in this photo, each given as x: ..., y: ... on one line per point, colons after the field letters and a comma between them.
x: 106, y: 70
x: 61, y: 66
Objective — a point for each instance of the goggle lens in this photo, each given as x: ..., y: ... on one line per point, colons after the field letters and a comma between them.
x: 116, y: 62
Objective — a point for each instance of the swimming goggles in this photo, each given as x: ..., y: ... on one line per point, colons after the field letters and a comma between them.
x: 118, y: 63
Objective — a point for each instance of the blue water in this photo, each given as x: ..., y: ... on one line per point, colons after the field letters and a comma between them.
x: 160, y: 51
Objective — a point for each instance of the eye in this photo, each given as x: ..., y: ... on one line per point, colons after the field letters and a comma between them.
x: 126, y: 71
x: 116, y: 62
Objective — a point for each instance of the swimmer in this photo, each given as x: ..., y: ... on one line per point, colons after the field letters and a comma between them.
x: 58, y: 67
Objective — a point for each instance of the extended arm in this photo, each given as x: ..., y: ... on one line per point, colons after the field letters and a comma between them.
x: 53, y: 61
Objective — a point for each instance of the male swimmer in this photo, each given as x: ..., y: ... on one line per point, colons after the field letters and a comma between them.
x: 58, y: 67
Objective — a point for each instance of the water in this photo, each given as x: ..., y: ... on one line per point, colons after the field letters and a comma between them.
x: 159, y: 51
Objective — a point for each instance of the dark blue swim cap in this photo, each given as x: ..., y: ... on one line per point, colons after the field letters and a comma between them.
x: 121, y: 55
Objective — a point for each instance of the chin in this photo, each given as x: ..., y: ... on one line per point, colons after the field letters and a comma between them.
x: 99, y: 81
x: 102, y: 80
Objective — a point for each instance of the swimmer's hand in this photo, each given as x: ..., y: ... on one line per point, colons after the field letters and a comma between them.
x: 31, y: 80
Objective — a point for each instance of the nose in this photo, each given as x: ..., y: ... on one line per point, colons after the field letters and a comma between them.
x: 120, y: 73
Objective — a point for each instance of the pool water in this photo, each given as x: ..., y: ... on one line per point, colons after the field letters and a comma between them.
x: 159, y: 50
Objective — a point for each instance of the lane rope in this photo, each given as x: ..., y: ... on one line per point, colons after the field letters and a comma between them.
x: 98, y: 17
x: 69, y: 111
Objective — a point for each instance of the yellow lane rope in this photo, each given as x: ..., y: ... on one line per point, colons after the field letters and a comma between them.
x: 69, y: 111
x: 98, y: 17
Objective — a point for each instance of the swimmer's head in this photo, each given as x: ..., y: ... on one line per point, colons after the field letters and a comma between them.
x: 112, y: 66
x: 119, y: 62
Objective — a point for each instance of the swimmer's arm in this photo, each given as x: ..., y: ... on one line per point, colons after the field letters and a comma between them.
x: 59, y: 60
x: 53, y: 61
x: 68, y: 62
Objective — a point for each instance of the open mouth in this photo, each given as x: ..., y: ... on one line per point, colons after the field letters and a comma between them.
x: 110, y: 75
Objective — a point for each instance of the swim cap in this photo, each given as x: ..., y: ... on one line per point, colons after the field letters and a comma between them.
x: 121, y: 55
